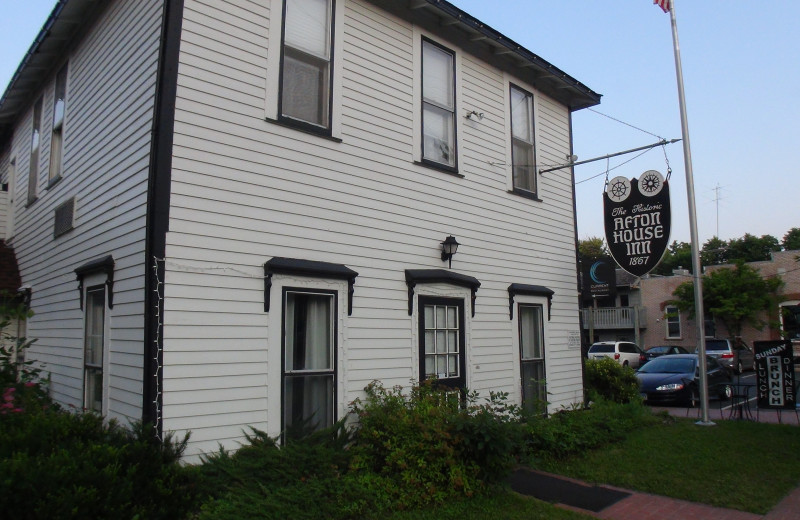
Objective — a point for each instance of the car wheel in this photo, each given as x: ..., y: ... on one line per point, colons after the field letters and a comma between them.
x: 739, y: 368
x: 726, y: 393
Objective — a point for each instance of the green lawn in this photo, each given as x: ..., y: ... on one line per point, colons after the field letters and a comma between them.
x: 735, y: 464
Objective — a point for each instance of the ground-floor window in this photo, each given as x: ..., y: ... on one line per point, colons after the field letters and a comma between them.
x: 531, y: 345
x: 790, y: 321
x: 93, y: 347
x: 309, y: 376
x: 442, y: 355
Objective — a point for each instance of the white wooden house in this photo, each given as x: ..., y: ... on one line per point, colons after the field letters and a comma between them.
x: 231, y: 213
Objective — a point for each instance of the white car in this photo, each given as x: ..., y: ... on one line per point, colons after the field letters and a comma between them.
x: 625, y: 353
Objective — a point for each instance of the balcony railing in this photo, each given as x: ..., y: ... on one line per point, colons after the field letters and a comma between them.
x: 616, y: 318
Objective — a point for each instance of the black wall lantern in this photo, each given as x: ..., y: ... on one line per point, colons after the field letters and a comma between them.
x: 449, y: 248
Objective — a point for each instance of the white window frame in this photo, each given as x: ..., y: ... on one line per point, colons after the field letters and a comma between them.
x: 275, y: 342
x: 672, y: 316
x: 532, y: 176
x: 417, y: 152
x: 94, y: 282
x: 57, y: 136
x: 541, y: 389
x: 36, y: 149
x: 273, y: 73
x: 508, y: 82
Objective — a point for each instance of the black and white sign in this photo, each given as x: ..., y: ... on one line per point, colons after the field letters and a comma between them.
x: 775, y: 374
x: 637, y: 221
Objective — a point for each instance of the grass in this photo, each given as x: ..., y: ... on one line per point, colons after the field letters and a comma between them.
x: 505, y: 505
x: 735, y: 464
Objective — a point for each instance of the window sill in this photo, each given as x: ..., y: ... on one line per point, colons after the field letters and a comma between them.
x: 53, y: 182
x: 324, y: 133
x: 440, y: 167
x: 525, y: 194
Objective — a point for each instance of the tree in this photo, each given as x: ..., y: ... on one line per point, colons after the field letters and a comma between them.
x: 714, y: 252
x: 791, y: 240
x: 678, y: 255
x: 592, y: 247
x: 751, y: 248
x: 735, y: 296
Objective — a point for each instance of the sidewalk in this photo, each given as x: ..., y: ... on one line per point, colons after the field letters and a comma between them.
x: 620, y: 504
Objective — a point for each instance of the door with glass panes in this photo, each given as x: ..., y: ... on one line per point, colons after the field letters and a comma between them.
x: 442, y: 346
x: 531, y: 346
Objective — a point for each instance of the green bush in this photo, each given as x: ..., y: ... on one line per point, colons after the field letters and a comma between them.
x: 430, y: 447
x: 55, y: 464
x: 570, y: 432
x: 607, y: 379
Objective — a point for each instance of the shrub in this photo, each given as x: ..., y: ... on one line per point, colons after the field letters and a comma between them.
x: 607, y: 379
x: 429, y: 447
x: 570, y: 432
x: 55, y: 464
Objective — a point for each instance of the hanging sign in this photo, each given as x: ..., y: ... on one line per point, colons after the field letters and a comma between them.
x: 599, y: 277
x: 637, y: 221
x: 775, y: 374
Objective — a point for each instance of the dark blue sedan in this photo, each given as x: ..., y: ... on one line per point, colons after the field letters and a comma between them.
x: 673, y: 379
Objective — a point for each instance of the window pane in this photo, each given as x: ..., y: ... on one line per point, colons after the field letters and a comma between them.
x: 309, y: 331
x: 430, y: 366
x: 441, y: 366
x: 437, y: 76
x: 305, y: 88
x: 521, y: 116
x: 524, y: 169
x: 430, y: 323
x: 534, y: 390
x: 430, y: 342
x: 94, y: 390
x: 308, y: 402
x: 452, y: 318
x: 452, y: 341
x: 452, y: 364
x: 439, y: 136
x: 95, y: 324
x: 441, y: 342
x: 530, y: 329
x: 308, y: 26
x: 440, y: 317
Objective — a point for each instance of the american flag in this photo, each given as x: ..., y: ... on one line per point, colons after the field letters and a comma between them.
x: 663, y: 4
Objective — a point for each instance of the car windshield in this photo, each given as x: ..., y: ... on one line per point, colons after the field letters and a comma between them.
x: 716, y: 344
x: 657, y: 350
x: 669, y: 365
x: 601, y: 348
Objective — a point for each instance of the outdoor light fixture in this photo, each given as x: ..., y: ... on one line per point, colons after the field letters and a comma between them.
x: 449, y: 248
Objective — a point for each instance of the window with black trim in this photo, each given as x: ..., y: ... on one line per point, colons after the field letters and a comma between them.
x: 523, y: 149
x: 438, y: 105
x: 309, y: 360
x: 442, y: 346
x: 93, y: 348
x: 531, y: 347
x: 33, y: 172
x: 57, y: 139
x: 306, y: 57
x: 673, y: 322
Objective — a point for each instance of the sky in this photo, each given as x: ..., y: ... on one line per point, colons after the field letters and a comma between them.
x: 741, y: 75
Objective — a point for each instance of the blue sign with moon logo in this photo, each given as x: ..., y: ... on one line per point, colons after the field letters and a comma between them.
x: 599, y: 277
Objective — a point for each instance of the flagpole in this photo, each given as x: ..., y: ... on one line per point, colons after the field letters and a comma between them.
x: 696, y: 267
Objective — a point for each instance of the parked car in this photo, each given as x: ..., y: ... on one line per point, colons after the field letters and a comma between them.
x: 733, y: 354
x: 662, y: 350
x: 624, y: 352
x: 673, y: 378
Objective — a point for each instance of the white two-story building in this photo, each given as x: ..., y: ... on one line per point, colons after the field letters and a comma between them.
x: 233, y: 213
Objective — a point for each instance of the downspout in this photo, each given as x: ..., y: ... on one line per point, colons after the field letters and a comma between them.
x: 158, y: 204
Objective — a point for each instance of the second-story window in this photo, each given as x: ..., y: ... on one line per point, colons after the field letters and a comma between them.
x: 673, y: 322
x: 33, y: 172
x: 522, y: 142
x: 438, y: 105
x: 57, y: 140
x: 306, y: 63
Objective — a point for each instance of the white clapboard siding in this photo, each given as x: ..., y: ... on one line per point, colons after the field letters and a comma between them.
x: 110, y: 99
x: 245, y: 190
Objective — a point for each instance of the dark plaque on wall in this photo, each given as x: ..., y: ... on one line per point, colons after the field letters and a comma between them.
x: 637, y: 221
x: 775, y: 374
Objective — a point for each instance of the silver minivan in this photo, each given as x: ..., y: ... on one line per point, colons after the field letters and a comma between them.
x: 735, y: 355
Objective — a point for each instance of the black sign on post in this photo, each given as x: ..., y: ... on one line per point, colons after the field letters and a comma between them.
x: 599, y: 277
x: 775, y: 374
x: 637, y: 221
